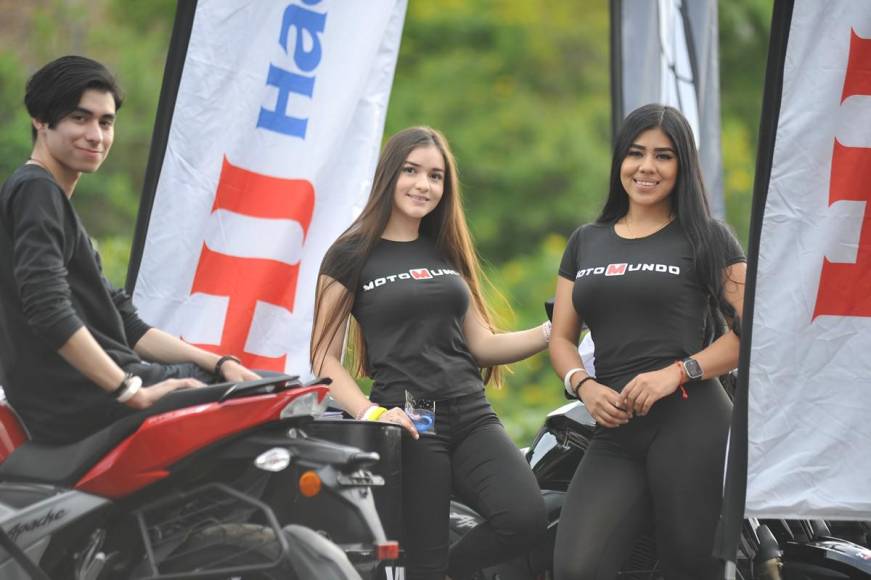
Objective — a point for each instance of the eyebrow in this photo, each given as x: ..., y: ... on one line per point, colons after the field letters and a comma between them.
x: 643, y: 148
x: 90, y: 113
x: 407, y: 162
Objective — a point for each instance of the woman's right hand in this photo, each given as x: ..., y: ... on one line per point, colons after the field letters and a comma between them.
x: 603, y: 404
x: 399, y: 417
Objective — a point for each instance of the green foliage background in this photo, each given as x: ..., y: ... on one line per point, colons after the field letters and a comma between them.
x: 520, y: 88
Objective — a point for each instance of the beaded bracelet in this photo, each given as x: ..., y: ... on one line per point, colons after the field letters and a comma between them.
x: 578, y: 386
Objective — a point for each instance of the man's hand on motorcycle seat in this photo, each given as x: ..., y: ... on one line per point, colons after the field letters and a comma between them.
x: 236, y: 373
x: 147, y: 396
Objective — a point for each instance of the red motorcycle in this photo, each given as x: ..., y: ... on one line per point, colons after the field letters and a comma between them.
x: 202, y: 485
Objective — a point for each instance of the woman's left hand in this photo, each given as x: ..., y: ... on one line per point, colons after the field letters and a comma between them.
x: 644, y: 390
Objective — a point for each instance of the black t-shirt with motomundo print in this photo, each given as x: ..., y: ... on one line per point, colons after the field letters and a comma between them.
x: 641, y: 298
x: 410, y: 305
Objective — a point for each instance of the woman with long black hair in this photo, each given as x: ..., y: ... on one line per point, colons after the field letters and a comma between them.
x: 652, y: 278
x: 406, y: 274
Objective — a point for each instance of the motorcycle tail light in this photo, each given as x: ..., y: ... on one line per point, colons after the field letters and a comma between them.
x: 307, y: 404
x: 309, y: 484
x: 387, y: 550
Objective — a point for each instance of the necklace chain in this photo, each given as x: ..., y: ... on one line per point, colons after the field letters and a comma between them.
x: 36, y: 161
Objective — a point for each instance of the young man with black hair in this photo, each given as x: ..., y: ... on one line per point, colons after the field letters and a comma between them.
x: 75, y: 354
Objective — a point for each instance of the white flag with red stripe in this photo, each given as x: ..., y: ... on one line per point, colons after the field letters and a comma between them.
x: 274, y: 138
x: 809, y: 406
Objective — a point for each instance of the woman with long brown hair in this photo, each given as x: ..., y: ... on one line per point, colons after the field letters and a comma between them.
x: 406, y: 274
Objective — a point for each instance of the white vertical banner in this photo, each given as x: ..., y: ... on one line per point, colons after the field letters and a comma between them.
x: 274, y: 138
x: 809, y: 406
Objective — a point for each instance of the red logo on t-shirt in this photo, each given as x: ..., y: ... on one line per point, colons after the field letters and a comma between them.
x: 616, y: 269
x: 420, y: 274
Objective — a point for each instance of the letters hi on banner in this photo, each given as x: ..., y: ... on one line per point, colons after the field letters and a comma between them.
x: 244, y: 280
x: 844, y: 288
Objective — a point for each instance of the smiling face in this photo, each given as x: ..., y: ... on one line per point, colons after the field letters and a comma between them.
x: 79, y: 142
x: 420, y: 184
x: 649, y: 170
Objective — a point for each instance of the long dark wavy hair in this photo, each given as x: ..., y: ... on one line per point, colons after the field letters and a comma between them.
x: 445, y: 226
x: 707, y: 237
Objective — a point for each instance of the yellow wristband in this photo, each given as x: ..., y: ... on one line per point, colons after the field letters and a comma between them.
x: 374, y: 413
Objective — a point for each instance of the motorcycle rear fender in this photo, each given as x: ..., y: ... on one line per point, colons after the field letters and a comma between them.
x: 145, y: 457
x: 313, y: 556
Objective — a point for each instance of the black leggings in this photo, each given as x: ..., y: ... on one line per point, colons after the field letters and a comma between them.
x: 665, y: 468
x: 471, y: 455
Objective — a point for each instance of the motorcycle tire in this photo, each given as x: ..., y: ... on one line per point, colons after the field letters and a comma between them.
x: 230, y: 545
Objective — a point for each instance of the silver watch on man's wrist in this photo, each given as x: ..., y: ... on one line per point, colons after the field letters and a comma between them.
x: 692, y: 369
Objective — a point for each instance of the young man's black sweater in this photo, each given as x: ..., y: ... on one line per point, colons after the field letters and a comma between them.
x: 51, y: 285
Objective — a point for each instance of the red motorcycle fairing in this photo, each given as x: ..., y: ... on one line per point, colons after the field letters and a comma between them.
x: 145, y: 456
x: 12, y: 433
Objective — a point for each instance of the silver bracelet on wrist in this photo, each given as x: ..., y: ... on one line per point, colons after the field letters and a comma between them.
x: 546, y: 329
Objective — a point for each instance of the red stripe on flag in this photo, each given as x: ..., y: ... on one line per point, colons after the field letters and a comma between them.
x: 257, y: 195
x: 845, y: 289
x: 858, y: 78
x: 245, y: 281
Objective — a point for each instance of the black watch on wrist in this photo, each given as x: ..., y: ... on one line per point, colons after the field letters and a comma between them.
x: 692, y: 369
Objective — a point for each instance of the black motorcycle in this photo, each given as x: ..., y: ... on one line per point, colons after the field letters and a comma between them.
x: 768, y: 549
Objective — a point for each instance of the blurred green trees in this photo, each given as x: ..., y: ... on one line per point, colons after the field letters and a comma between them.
x: 521, y: 89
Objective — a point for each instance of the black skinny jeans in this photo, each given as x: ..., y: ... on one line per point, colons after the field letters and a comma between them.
x: 470, y: 455
x: 665, y: 468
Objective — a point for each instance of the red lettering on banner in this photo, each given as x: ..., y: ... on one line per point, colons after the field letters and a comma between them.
x: 858, y: 79
x: 246, y: 281
x: 845, y: 289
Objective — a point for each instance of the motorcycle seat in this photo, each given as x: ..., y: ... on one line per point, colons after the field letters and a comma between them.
x: 63, y: 465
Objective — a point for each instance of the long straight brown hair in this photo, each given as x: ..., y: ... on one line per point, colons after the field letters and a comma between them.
x: 445, y: 225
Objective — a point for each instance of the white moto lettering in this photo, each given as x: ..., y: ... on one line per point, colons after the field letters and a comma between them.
x: 380, y: 282
x: 368, y: 286
x: 647, y: 267
x: 404, y: 276
x: 674, y: 270
x: 660, y: 268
